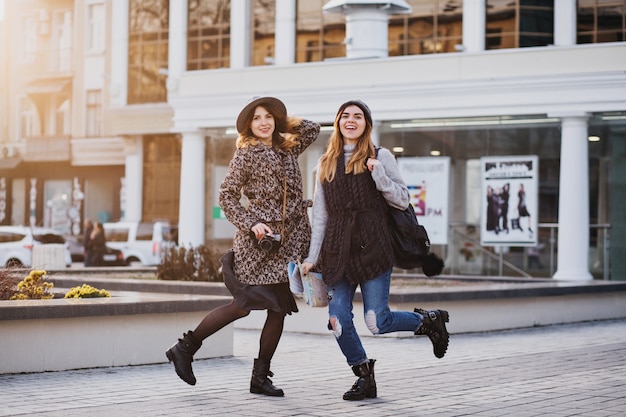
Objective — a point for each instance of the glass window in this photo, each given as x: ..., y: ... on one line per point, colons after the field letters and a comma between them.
x: 519, y: 23
x: 433, y: 26
x: 161, y: 177
x: 208, y: 34
x: 319, y: 35
x: 144, y: 231
x: 28, y: 118
x: 62, y: 38
x: 62, y: 123
x: 28, y: 52
x: 464, y: 140
x: 147, y: 50
x: 117, y: 234
x: 93, y: 112
x: 264, y: 27
x: 57, y: 197
x: 601, y: 21
x: 95, y: 28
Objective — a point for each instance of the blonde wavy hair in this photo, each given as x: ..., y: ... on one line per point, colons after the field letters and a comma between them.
x: 356, y: 164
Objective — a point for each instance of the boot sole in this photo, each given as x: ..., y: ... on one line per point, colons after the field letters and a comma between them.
x: 445, y: 316
x: 361, y: 398
x: 261, y: 392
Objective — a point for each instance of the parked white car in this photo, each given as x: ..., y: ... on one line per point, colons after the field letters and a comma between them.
x: 17, y: 242
x: 139, y: 241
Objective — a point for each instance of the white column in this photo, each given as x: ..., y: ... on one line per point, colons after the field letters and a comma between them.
x: 240, y: 33
x: 474, y: 24
x: 133, y: 188
x: 117, y: 77
x: 573, y: 239
x: 191, y: 212
x: 285, y: 37
x: 565, y: 22
x: 177, y: 58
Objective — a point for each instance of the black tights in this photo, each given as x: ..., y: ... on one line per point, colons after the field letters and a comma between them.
x: 226, y: 314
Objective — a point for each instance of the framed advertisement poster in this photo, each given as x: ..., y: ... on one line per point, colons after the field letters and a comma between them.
x: 427, y: 179
x: 510, y: 190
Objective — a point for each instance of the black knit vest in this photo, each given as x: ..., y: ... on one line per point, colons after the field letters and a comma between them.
x: 356, y: 243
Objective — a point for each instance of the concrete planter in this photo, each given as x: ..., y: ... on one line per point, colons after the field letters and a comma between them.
x: 126, y: 329
x: 145, y: 317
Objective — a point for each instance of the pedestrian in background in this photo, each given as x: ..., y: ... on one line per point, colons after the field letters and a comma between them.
x: 97, y: 245
x: 272, y: 229
x: 350, y: 241
x: 88, y: 228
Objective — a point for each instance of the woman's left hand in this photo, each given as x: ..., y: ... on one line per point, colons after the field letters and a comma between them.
x: 371, y: 163
x: 306, y: 267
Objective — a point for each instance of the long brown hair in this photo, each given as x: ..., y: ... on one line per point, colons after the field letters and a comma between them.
x: 282, y: 137
x: 364, y: 147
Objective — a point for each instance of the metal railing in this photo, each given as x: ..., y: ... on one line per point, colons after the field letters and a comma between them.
x: 466, y: 256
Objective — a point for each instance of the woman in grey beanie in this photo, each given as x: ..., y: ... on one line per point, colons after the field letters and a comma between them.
x: 350, y: 243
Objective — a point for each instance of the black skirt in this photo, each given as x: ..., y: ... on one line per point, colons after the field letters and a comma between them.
x: 275, y: 297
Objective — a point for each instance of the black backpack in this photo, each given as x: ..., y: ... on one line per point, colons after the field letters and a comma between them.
x: 409, y: 241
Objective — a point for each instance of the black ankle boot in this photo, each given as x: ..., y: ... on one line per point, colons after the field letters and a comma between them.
x: 260, y: 383
x: 434, y: 326
x: 365, y: 386
x: 182, y: 356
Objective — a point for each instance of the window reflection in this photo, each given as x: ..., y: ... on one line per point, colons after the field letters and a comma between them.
x: 208, y: 35
x: 601, y: 21
x: 147, y: 50
x: 519, y: 23
x: 264, y: 17
x: 319, y: 35
x: 433, y: 26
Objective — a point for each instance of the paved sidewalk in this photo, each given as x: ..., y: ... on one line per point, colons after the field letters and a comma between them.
x: 565, y: 370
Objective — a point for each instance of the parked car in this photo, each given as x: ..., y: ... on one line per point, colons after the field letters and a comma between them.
x: 140, y: 241
x: 17, y: 242
x: 113, y: 257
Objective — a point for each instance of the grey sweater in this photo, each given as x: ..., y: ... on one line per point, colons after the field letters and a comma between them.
x: 388, y: 181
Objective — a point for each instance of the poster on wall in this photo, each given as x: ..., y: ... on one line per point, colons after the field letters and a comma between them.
x: 428, y: 181
x: 510, y: 190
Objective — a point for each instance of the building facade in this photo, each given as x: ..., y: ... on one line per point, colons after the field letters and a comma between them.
x: 141, y: 123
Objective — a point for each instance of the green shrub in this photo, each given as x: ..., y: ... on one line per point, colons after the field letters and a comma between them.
x: 200, y: 263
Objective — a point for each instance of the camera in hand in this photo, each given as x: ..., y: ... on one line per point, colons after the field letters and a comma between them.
x: 269, y: 243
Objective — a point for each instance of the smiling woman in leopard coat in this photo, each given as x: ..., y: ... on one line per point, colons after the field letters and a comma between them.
x: 272, y: 228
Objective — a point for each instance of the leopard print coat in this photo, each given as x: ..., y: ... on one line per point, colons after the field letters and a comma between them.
x: 258, y: 173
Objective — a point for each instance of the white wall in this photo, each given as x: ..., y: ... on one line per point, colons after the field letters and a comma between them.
x: 503, y: 82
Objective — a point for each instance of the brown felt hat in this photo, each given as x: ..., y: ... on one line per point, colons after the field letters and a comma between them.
x: 255, y: 101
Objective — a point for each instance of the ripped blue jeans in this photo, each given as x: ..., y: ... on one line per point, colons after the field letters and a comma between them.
x: 379, y: 319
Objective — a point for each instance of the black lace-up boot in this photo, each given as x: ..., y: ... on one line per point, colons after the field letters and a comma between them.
x: 434, y: 326
x: 260, y: 382
x: 182, y: 356
x: 365, y: 385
